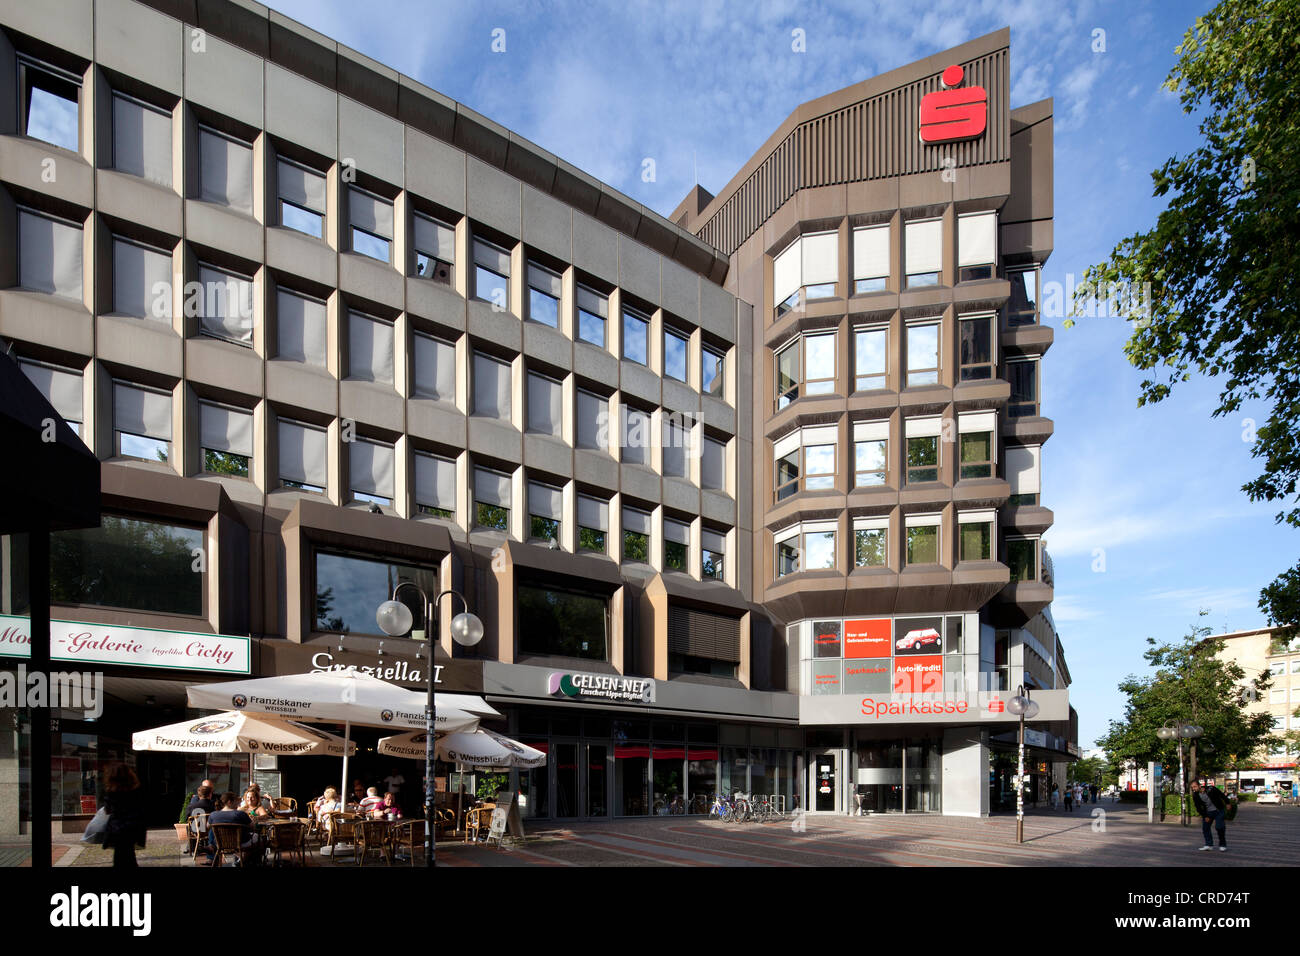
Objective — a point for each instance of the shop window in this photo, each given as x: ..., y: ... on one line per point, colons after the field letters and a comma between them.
x: 130, y: 563
x: 49, y: 99
x: 349, y: 588
x: 561, y: 622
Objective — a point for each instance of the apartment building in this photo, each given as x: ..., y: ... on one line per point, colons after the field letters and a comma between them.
x: 1257, y: 652
x: 328, y: 330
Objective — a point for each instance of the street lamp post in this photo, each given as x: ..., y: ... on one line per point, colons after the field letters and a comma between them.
x: 1175, y: 730
x: 1022, y: 707
x: 395, y: 619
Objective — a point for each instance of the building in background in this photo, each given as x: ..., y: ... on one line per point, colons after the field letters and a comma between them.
x: 328, y: 330
x: 1257, y: 652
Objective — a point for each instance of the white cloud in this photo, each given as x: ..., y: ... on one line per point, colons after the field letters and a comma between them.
x: 1066, y: 608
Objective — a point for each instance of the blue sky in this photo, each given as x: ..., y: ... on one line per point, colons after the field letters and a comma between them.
x: 700, y: 86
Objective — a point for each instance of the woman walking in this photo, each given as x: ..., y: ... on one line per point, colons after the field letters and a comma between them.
x: 124, y: 802
x: 1069, y: 799
x: 1056, y: 795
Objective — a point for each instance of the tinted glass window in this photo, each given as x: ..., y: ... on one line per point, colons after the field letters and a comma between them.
x: 128, y: 563
x: 563, y: 623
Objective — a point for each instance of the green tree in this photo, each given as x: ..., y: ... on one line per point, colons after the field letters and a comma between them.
x: 1191, y: 684
x: 1222, y: 260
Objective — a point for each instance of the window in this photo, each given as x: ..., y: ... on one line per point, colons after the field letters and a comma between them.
x: 492, y: 500
x: 788, y: 374
x: 142, y: 139
x: 49, y: 254
x: 225, y: 170
x: 675, y: 349
x: 807, y: 453
x: 870, y: 259
x: 301, y: 328
x: 871, y: 453
x: 975, y: 535
x: 923, y: 354
x: 636, y: 535
x: 1022, y: 559
x: 303, y: 455
x: 698, y: 643
x: 142, y: 422
x: 976, y: 245
x: 49, y: 100
x: 636, y: 335
x: 677, y: 544
x: 543, y: 295
x: 636, y: 436
x: 977, y: 447
x: 348, y: 589
x: 818, y: 546
x: 370, y: 348
x: 593, y: 312
x: 226, y: 308
x: 1023, y: 376
x: 61, y: 387
x: 562, y: 623
x: 819, y: 467
x: 544, y: 414
x: 1022, y: 309
x: 713, y: 552
x: 129, y: 563
x: 592, y: 425
x: 788, y: 454
x: 371, y: 221
x: 545, y: 506
x: 226, y: 438
x: 435, y: 368
x: 713, y: 465
x: 870, y: 358
x: 787, y: 552
x: 302, y: 198
x: 711, y: 369
x: 870, y: 542
x: 1023, y: 473
x: 492, y: 274
x: 976, y: 347
x: 491, y: 387
x: 805, y: 270
x: 676, y: 444
x: 435, y: 249
x: 923, y: 252
x: 819, y: 367
x: 435, y: 486
x: 923, y: 539
x: 922, y: 449
x: 593, y: 524
x: 142, y: 280
x: 371, y: 466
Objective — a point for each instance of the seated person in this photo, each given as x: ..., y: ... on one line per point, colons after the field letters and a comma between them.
x: 252, y: 803
x: 202, y: 800
x: 328, y: 802
x: 388, y: 810
x: 371, y: 801
x: 359, y: 792
x: 230, y: 813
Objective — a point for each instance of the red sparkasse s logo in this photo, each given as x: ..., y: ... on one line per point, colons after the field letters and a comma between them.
x: 951, y: 114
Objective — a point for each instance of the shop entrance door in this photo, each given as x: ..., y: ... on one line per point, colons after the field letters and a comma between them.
x: 567, y: 776
x: 825, y: 782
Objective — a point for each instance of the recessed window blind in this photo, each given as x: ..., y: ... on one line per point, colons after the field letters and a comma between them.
x: 49, y: 255
x: 435, y: 482
x: 302, y: 327
x: 871, y: 252
x: 222, y: 428
x: 142, y: 281
x: 435, y: 368
x: 225, y: 170
x: 142, y: 411
x: 302, y: 453
x: 142, y: 140
x: 370, y: 345
x: 371, y: 465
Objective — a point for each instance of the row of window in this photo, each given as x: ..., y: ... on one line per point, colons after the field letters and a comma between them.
x: 809, y: 364
x: 808, y: 268
x: 142, y: 146
x: 813, y: 545
x: 806, y: 459
x: 143, y: 416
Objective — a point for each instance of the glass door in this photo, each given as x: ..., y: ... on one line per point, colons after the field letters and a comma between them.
x: 597, y: 780
x: 824, y: 782
x: 566, y: 778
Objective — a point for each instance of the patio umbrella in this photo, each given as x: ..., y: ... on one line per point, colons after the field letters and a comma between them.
x: 482, y: 748
x: 236, y: 732
x: 343, y: 696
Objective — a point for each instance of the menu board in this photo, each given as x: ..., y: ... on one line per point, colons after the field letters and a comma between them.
x: 269, y: 781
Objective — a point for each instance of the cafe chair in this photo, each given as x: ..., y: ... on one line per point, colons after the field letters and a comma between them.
x: 198, y: 830
x: 372, y: 835
x: 341, y: 827
x: 478, y: 820
x: 228, y: 838
x: 289, y: 839
x: 408, y: 834
x: 285, y: 806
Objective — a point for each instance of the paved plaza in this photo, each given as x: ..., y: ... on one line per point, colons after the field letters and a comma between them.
x: 1260, y: 836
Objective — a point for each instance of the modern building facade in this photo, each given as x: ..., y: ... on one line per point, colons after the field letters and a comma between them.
x: 747, y: 497
x: 1258, y: 652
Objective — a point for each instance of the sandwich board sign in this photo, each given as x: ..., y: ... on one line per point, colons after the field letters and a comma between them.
x: 506, y: 814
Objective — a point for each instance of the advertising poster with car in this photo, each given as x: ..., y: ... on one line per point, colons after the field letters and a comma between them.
x: 918, y: 675
x: 868, y: 638
x: 918, y: 635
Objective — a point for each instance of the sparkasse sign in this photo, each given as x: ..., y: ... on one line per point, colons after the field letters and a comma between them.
x: 951, y: 114
x: 602, y: 687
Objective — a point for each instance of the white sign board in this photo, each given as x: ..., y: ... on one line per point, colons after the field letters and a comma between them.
x: 82, y: 643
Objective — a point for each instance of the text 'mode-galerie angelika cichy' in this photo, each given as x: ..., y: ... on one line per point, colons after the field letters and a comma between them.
x: 775, y: 529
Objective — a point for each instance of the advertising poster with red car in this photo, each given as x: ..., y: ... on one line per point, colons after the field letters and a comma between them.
x: 868, y: 638
x: 918, y: 675
x: 918, y: 635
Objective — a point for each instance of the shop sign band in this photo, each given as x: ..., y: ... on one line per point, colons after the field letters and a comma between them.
x: 954, y: 113
x: 639, y: 690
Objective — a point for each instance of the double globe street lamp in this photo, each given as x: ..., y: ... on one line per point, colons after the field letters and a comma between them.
x: 1025, y: 709
x: 1174, y: 730
x: 395, y: 619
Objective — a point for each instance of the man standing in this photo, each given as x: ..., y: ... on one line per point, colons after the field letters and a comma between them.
x: 1211, y: 805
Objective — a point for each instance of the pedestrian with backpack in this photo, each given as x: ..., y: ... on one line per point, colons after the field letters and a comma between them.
x: 1212, y: 807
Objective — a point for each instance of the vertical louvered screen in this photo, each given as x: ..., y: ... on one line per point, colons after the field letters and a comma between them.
x: 701, y: 634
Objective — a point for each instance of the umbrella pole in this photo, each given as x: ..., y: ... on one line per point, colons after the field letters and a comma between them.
x: 460, y: 793
x: 343, y: 787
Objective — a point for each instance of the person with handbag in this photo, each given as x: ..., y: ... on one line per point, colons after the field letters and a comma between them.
x: 124, y: 803
x: 1212, y: 807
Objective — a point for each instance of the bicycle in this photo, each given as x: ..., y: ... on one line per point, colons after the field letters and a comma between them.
x: 723, y: 809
